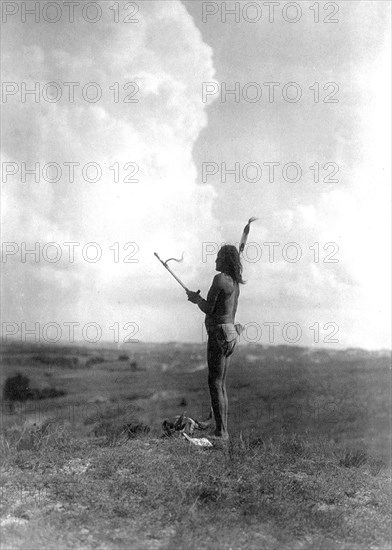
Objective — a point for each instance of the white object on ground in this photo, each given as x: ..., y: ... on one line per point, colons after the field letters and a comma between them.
x: 199, y: 441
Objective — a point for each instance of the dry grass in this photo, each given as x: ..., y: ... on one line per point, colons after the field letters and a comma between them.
x: 109, y: 481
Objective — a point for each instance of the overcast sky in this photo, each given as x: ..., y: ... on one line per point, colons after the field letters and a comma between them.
x: 168, y: 135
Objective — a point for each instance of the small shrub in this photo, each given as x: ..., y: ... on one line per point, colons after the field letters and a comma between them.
x: 49, y: 393
x: 293, y: 445
x: 118, y: 434
x: 34, y: 437
x: 209, y: 493
x: 256, y: 442
x: 42, y: 359
x: 17, y: 388
x: 95, y: 360
x: 133, y: 365
x: 376, y: 465
x: 123, y: 357
x: 353, y: 458
x: 56, y: 360
x: 133, y: 430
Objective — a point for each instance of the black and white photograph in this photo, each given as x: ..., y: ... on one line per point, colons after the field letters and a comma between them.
x: 195, y: 275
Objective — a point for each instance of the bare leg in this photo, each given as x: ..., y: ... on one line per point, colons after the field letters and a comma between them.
x: 216, y: 382
x: 225, y: 399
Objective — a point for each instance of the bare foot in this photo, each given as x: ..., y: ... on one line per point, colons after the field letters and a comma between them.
x: 204, y: 425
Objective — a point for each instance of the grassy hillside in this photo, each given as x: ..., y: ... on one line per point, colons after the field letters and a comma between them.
x: 307, y: 465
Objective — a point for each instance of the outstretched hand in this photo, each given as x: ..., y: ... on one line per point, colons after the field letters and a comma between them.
x: 193, y: 296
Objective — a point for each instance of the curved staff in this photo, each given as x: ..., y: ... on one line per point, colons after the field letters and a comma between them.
x: 220, y: 308
x: 171, y: 272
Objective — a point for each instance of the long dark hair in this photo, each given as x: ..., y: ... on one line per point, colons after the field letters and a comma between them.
x: 232, y: 262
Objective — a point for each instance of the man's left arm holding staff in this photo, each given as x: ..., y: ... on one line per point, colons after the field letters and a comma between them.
x: 207, y: 306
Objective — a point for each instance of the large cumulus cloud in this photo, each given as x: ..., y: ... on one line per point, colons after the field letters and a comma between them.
x: 166, y: 210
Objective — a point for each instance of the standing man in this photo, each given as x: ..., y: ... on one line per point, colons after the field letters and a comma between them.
x: 220, y: 309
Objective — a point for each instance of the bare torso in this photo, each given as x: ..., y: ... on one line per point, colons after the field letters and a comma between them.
x: 222, y: 300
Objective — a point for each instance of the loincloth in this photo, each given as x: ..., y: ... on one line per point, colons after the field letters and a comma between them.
x: 226, y: 335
